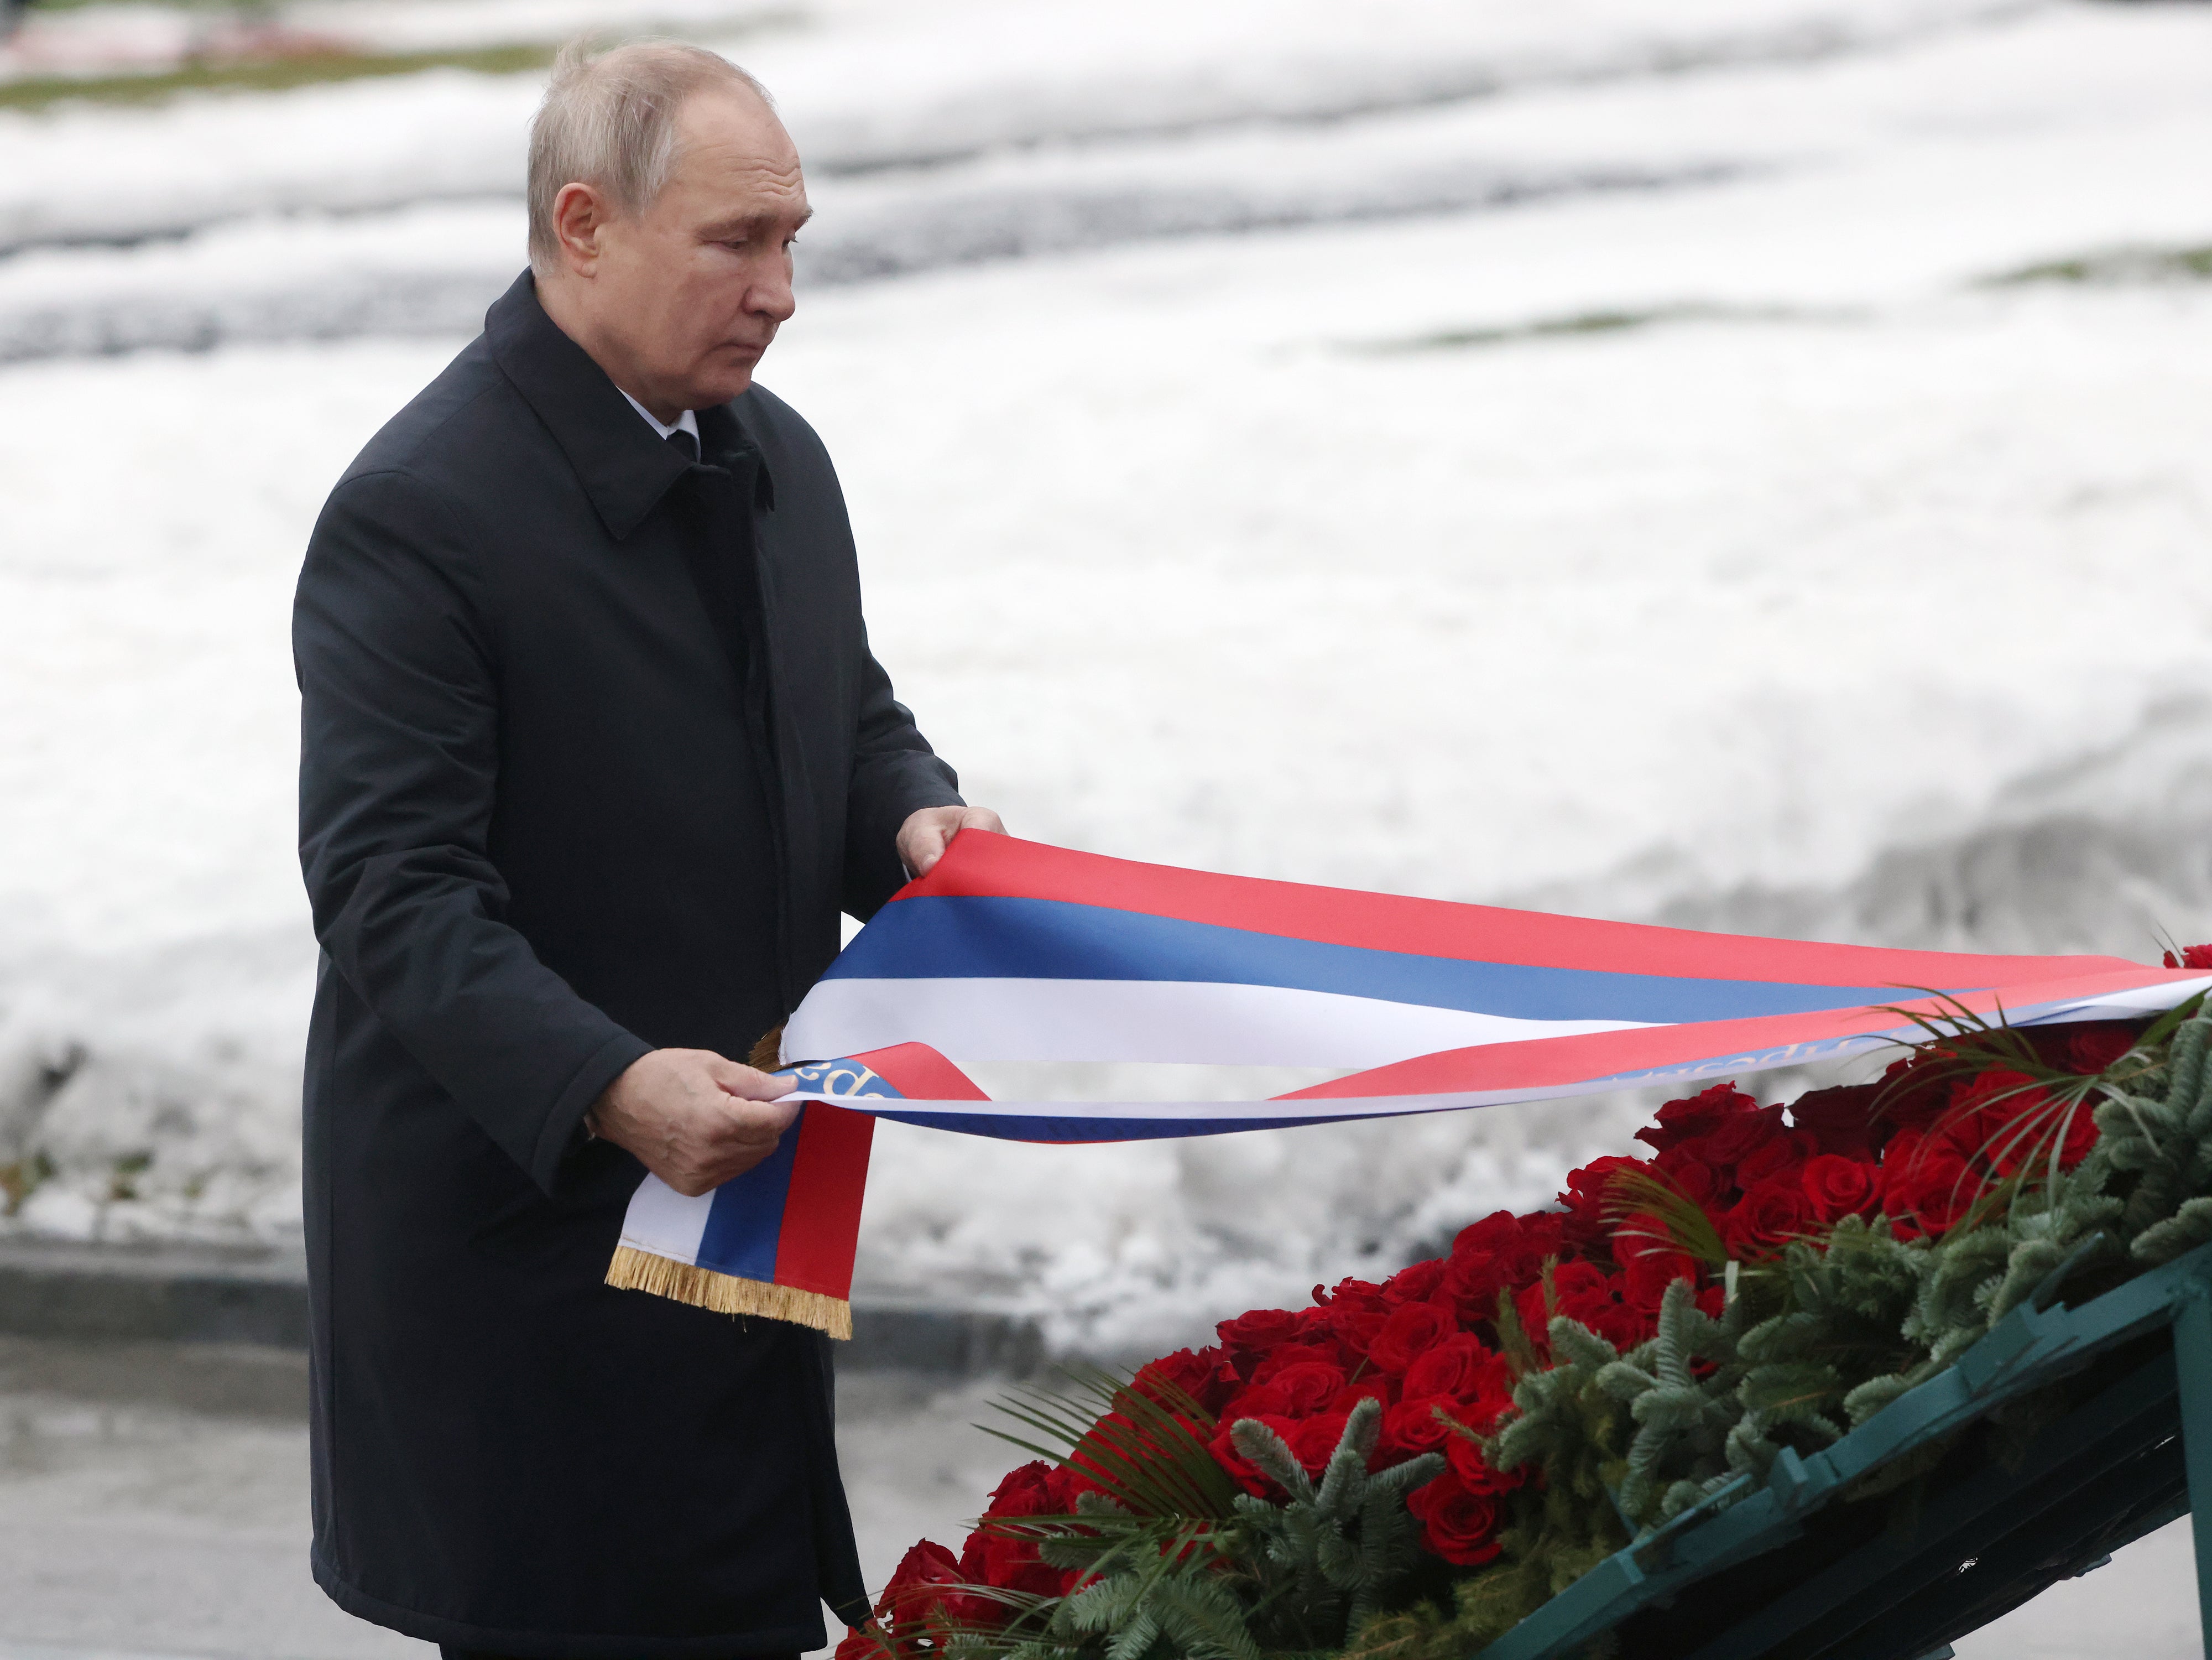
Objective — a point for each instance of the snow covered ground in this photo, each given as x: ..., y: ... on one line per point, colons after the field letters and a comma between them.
x: 1572, y: 455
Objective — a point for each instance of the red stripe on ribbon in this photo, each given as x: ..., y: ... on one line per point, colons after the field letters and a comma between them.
x: 820, y: 1225
x: 821, y: 1205
x: 920, y: 1073
x: 980, y: 864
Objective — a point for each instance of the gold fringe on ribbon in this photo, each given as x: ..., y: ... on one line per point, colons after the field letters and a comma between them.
x: 725, y: 1294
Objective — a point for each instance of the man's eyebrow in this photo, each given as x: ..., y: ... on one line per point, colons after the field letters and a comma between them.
x: 750, y: 222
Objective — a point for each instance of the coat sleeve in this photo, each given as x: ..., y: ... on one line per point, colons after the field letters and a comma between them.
x: 399, y: 748
x: 895, y: 773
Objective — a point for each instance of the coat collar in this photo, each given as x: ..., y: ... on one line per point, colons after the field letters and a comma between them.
x: 624, y: 468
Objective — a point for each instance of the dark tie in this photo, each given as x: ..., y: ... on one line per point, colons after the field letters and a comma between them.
x: 684, y: 444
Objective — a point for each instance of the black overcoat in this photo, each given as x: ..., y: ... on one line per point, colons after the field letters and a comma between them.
x: 593, y: 750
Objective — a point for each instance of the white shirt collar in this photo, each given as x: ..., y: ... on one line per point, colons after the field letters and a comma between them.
x: 687, y: 422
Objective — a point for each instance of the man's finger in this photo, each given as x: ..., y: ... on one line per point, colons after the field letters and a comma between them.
x: 928, y: 848
x: 748, y: 1082
x: 759, y: 1121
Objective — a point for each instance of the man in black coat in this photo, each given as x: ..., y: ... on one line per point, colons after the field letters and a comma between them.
x: 593, y: 752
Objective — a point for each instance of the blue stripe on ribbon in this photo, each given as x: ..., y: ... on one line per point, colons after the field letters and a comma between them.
x: 974, y: 937
x: 746, y: 1218
x: 745, y: 1222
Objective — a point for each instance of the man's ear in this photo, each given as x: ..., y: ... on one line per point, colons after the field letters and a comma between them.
x: 579, y: 218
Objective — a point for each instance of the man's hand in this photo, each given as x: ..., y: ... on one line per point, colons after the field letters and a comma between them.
x: 694, y: 1119
x: 924, y: 837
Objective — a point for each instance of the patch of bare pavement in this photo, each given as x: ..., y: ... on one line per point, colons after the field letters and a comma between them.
x: 154, y: 1497
x: 154, y: 1506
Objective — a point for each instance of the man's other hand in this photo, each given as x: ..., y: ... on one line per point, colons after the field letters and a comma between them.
x: 924, y: 837
x: 694, y: 1119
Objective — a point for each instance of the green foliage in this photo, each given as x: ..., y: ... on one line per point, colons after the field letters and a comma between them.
x: 2155, y: 1151
x: 1341, y: 1547
x: 1164, y: 1580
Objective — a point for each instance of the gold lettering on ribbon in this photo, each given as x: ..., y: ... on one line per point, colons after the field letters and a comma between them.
x: 835, y: 1078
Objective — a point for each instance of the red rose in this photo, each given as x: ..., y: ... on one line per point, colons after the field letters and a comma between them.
x: 1411, y: 1426
x: 1586, y: 1294
x: 1925, y: 1183
x: 1501, y: 1233
x: 2091, y: 1047
x: 2003, y: 1120
x: 1993, y: 1118
x: 1734, y: 1138
x: 863, y: 1643
x: 2192, y: 956
x: 1840, y: 1120
x: 1028, y: 1491
x: 1693, y: 1177
x: 1698, y: 1116
x: 1367, y: 1389
x: 1008, y: 1560
x: 1241, y: 1470
x: 1650, y: 1263
x: 1411, y: 1328
x: 1589, y: 1197
x: 1291, y: 1354
x: 1204, y: 1376
x: 1449, y: 1367
x: 1355, y: 1312
x: 1308, y: 1385
x: 1256, y: 1332
x: 1489, y: 1257
x: 921, y: 1587
x: 1313, y: 1440
x: 1458, y: 1524
x: 1258, y: 1401
x: 1463, y: 1458
x: 926, y: 1565
x: 1481, y: 1407
x: 1351, y: 1293
x: 1767, y: 1219
x: 1500, y: 1255
x: 1836, y: 1187
x: 1779, y: 1158
x: 1415, y: 1284
x: 1913, y: 1092
x: 1315, y: 1326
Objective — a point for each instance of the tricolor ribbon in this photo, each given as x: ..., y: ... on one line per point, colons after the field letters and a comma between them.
x: 778, y: 1241
x: 1011, y: 950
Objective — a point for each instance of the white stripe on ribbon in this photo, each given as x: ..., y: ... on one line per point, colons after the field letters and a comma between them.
x: 1076, y: 1121
x: 664, y: 1223
x: 1209, y: 1023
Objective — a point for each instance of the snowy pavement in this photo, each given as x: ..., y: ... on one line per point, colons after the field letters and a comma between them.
x: 1734, y: 548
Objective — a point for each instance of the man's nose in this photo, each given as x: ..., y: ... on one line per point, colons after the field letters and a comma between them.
x: 771, y: 295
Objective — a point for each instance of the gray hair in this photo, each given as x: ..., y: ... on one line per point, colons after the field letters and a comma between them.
x: 608, y: 121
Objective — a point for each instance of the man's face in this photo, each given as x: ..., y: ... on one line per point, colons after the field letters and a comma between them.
x: 690, y: 291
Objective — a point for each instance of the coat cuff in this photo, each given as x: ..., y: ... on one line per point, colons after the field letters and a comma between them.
x: 603, y: 1065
